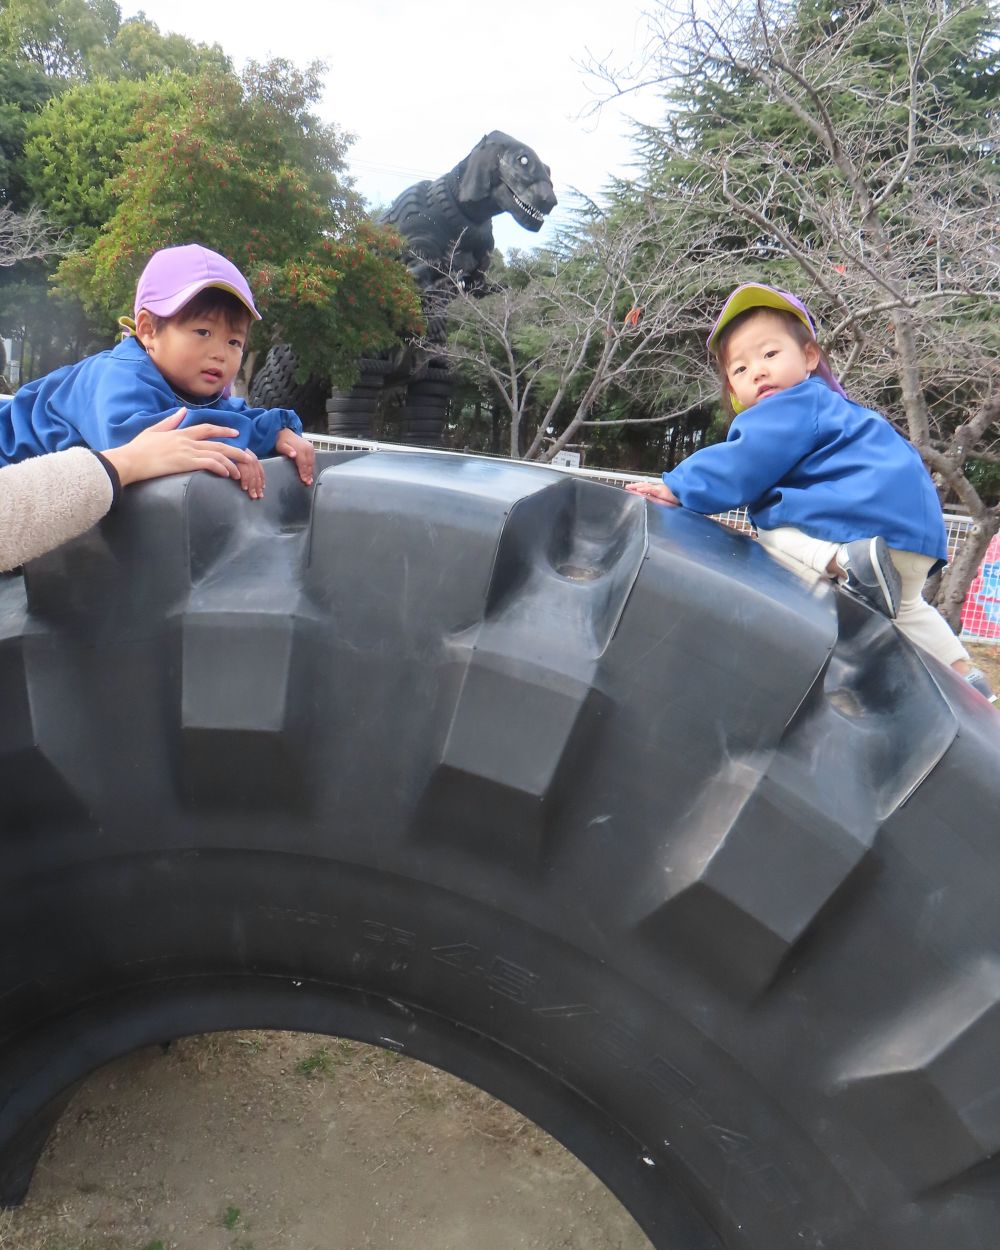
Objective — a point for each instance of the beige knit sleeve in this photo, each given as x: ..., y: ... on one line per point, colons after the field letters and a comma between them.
x: 49, y: 499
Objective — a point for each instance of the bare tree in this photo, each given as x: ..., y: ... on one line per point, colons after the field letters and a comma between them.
x: 877, y: 190
x: 614, y: 315
x: 28, y: 236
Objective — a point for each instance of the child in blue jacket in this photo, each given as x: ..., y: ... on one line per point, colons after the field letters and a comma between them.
x: 829, y: 485
x: 193, y: 310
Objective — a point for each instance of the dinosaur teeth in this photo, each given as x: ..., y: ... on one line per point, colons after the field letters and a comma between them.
x: 532, y: 212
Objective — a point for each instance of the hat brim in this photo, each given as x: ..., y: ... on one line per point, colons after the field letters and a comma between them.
x: 753, y: 296
x: 174, y: 303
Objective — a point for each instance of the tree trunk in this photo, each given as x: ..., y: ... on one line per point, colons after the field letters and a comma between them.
x: 241, y: 387
x: 495, y: 422
x: 958, y: 577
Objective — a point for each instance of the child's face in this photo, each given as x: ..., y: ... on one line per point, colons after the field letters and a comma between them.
x: 199, y: 357
x: 762, y: 357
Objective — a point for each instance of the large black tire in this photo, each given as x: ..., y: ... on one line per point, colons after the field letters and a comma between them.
x: 349, y: 425
x: 693, y: 863
x: 352, y: 413
x: 274, y: 386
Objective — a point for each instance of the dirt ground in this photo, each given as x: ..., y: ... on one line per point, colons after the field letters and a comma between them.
x: 267, y: 1141
x: 280, y: 1141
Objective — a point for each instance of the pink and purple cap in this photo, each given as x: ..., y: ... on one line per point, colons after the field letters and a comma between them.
x: 756, y: 295
x: 175, y: 275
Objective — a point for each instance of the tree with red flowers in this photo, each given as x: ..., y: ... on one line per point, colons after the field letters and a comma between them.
x: 244, y: 167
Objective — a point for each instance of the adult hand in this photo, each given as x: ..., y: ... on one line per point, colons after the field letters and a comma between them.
x: 164, y: 449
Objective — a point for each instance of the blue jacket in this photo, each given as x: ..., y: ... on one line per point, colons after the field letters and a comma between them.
x: 807, y: 457
x: 105, y: 400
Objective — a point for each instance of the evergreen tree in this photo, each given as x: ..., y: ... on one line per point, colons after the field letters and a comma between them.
x: 78, y: 145
x: 23, y: 92
x: 75, y: 40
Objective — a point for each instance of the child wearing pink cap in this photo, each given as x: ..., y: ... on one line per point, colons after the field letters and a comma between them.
x: 829, y: 486
x: 193, y: 310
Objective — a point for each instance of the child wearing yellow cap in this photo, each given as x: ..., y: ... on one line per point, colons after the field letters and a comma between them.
x: 829, y: 486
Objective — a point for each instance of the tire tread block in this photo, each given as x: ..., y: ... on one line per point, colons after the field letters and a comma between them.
x: 775, y: 838
x: 568, y: 558
x: 560, y: 564
x: 243, y: 688
x: 925, y: 1088
x: 429, y: 528
x: 725, y: 899
x: 36, y: 793
x: 513, y: 784
x: 243, y: 741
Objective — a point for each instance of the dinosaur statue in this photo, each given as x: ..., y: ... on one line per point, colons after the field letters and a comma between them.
x: 446, y: 225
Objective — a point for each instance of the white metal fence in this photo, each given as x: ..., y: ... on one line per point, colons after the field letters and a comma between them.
x: 980, y: 613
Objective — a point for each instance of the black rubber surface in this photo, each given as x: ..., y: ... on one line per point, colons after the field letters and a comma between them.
x: 362, y: 404
x: 274, y: 386
x: 587, y: 801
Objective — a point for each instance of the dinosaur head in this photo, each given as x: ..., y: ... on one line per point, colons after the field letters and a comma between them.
x: 502, y: 175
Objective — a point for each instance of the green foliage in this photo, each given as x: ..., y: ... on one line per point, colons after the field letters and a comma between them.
x: 83, y: 39
x: 55, y: 36
x: 77, y: 147
x: 341, y: 299
x: 854, y: 58
x: 985, y: 477
x: 231, y: 1218
x: 140, y: 51
x: 23, y: 92
x: 79, y: 143
x: 319, y: 1062
x: 244, y: 167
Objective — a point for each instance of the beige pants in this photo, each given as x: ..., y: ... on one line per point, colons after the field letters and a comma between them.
x: 916, y: 618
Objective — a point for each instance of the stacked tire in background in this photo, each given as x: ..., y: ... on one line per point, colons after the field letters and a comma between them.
x: 426, y: 408
x: 351, y: 413
x: 354, y: 413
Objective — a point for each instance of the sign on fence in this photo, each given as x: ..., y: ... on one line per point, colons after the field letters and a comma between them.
x: 571, y: 459
x: 981, y: 610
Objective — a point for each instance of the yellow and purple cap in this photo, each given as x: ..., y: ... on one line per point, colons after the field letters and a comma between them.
x: 175, y: 275
x: 756, y: 295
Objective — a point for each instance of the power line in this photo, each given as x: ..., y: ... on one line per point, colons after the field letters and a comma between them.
x: 385, y: 167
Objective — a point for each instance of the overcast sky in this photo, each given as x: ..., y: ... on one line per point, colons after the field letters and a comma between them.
x: 419, y: 84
